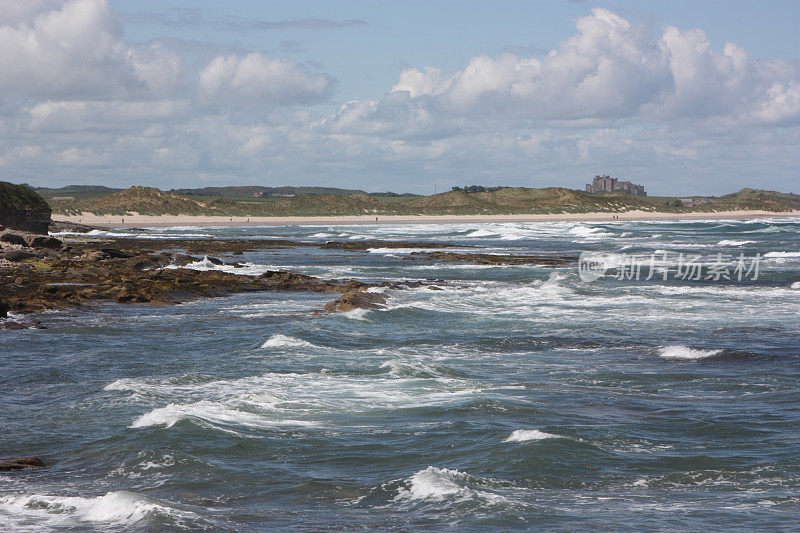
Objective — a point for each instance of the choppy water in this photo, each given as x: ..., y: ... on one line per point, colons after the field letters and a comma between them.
x: 517, y: 398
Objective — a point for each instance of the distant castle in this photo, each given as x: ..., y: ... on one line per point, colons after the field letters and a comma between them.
x: 608, y: 184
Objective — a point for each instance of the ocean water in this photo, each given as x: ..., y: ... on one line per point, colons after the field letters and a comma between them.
x: 517, y: 398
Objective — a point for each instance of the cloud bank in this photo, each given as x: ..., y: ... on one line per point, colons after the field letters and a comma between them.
x: 80, y: 102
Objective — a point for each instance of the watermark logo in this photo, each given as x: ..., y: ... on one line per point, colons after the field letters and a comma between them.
x: 666, y: 265
x: 592, y: 266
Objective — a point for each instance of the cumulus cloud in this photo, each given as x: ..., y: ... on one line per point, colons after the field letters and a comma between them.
x: 80, y: 102
x: 255, y: 80
x: 76, y: 50
x: 611, y: 69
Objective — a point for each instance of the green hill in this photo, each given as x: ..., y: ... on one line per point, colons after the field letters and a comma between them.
x: 750, y: 199
x: 505, y: 200
x: 142, y: 200
x: 75, y: 191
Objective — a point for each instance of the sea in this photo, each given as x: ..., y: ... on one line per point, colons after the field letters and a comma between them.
x: 492, y: 398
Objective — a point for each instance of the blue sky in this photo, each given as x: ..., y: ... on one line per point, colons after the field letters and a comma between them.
x: 402, y: 96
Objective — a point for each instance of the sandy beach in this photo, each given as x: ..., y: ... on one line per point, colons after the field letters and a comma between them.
x: 192, y: 220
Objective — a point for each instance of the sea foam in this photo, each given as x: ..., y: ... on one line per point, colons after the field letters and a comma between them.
x: 439, y: 484
x: 114, y: 508
x: 772, y: 255
x: 525, y: 435
x: 733, y: 243
x: 284, y: 341
x: 682, y: 352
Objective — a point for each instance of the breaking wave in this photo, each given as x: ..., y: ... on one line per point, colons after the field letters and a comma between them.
x: 781, y: 254
x: 682, y: 352
x: 733, y: 243
x: 440, y: 484
x: 525, y: 435
x: 114, y: 508
x: 284, y: 341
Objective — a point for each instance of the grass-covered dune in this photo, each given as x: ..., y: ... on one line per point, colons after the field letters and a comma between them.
x: 505, y: 200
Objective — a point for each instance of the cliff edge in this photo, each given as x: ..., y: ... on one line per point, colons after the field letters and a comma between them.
x: 21, y: 208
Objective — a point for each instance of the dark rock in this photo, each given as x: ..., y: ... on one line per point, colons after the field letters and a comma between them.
x: 16, y: 255
x: 550, y: 260
x: 356, y: 300
x: 13, y: 238
x: 94, y: 256
x: 21, y: 463
x: 117, y: 254
x: 52, y: 255
x: 44, y: 242
x: 4, y: 309
x: 215, y: 261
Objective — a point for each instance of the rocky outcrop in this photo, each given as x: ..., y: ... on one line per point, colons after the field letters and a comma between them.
x: 21, y: 208
x: 84, y: 271
x: 13, y: 255
x: 21, y: 463
x: 356, y: 299
x: 550, y: 260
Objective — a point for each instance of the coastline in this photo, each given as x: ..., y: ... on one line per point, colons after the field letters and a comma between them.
x: 134, y: 220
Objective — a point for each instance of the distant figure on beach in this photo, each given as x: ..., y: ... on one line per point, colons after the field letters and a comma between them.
x: 123, y: 220
x: 376, y: 219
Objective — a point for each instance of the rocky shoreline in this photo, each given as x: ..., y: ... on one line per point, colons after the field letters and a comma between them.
x: 40, y: 273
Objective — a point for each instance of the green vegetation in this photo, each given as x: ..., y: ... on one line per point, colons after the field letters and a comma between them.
x: 75, y: 191
x: 476, y: 188
x: 143, y: 200
x: 20, y: 197
x: 258, y: 193
x: 480, y: 200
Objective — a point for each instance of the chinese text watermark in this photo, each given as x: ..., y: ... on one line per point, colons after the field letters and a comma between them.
x: 665, y: 266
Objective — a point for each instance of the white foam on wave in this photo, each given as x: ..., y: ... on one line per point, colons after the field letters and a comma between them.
x: 356, y: 314
x: 772, y: 255
x: 481, y: 233
x: 246, y: 269
x: 589, y: 232
x: 439, y: 484
x: 214, y: 413
x: 679, y: 351
x: 288, y: 399
x: 114, y: 508
x: 283, y: 341
x: 400, y: 250
x: 526, y: 435
x: 733, y: 243
x: 795, y: 285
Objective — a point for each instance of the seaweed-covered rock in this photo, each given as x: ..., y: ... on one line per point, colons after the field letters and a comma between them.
x: 21, y: 463
x: 13, y: 255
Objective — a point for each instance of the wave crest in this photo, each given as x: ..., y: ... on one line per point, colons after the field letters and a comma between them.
x: 285, y: 341
x: 114, y: 508
x: 679, y: 351
x: 525, y: 435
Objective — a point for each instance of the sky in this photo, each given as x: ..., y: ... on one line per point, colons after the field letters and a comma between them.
x: 699, y: 97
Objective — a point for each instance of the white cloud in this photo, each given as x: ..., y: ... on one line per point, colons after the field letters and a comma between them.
x: 613, y: 70
x: 258, y: 81
x: 81, y: 103
x: 77, y: 51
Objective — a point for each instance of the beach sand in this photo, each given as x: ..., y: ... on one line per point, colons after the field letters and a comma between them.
x: 192, y: 220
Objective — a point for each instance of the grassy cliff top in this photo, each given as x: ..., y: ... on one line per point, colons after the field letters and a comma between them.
x: 20, y: 197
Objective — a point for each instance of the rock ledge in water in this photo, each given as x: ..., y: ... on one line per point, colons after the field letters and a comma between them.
x: 21, y: 463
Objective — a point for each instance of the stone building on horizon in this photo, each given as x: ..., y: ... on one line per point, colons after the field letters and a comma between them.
x: 609, y: 184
